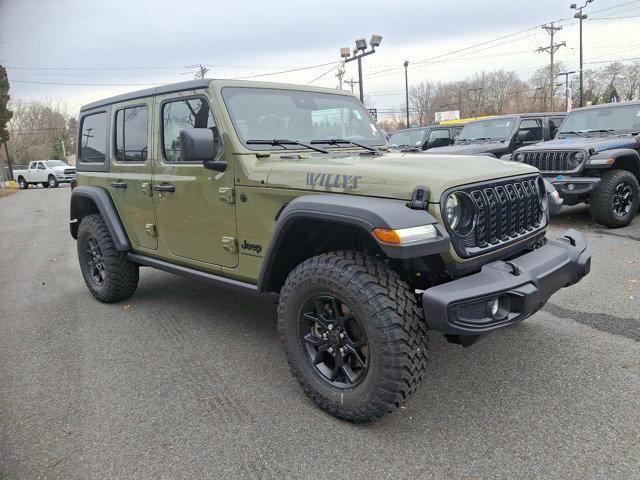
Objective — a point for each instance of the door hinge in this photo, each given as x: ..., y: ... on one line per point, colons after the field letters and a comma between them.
x: 229, y: 243
x: 146, y: 188
x: 151, y: 229
x: 227, y: 194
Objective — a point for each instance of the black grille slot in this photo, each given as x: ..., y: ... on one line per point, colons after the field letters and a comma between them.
x: 505, y: 211
x: 69, y: 171
x: 555, y: 162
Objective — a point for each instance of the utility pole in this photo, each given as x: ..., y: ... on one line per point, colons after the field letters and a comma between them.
x: 339, y: 75
x: 581, y: 17
x: 552, y: 48
x: 406, y: 87
x: 351, y: 83
x: 566, y: 86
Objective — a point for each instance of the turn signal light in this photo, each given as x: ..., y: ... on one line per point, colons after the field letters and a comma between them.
x: 405, y: 235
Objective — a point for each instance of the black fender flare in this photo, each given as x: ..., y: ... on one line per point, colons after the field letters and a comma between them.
x: 82, y: 197
x: 366, y: 213
x: 601, y: 159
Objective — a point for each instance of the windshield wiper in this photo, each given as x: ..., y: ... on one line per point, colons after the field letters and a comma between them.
x: 282, y: 142
x: 601, y: 130
x: 570, y: 132
x: 338, y: 141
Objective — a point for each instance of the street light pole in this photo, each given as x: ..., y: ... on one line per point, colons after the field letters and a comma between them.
x: 406, y: 88
x: 361, y: 46
x: 581, y: 17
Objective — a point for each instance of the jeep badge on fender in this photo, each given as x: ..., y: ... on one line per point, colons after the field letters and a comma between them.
x: 361, y: 267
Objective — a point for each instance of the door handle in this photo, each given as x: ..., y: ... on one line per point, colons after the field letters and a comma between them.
x: 119, y: 185
x: 164, y: 188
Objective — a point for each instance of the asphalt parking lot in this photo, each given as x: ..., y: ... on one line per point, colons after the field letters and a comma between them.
x: 189, y: 381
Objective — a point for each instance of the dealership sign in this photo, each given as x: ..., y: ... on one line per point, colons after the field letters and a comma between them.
x: 447, y: 116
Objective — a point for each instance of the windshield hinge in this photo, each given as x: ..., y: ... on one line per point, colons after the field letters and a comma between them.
x: 227, y: 194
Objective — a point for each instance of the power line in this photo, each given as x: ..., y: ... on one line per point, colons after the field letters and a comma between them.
x: 325, y: 73
x: 286, y: 71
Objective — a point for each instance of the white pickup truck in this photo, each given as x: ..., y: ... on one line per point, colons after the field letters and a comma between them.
x: 48, y: 173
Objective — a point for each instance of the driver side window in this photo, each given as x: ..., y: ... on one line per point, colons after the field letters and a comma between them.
x: 41, y: 166
x: 181, y: 114
x: 531, y: 129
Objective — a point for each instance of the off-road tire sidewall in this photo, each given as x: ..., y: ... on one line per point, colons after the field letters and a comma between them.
x: 395, y: 329
x: 45, y: 184
x: 602, y: 199
x: 53, y: 182
x: 22, y: 183
x: 121, y: 275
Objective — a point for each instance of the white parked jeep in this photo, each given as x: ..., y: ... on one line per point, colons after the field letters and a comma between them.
x: 49, y: 173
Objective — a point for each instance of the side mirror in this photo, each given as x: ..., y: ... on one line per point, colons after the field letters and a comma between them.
x: 522, y: 136
x: 198, y: 145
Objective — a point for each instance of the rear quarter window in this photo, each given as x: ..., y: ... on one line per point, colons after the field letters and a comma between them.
x: 93, y: 138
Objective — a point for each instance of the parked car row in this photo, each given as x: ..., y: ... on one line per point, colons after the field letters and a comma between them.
x: 590, y: 155
x: 48, y: 173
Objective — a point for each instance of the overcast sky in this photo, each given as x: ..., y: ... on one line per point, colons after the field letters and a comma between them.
x: 139, y: 42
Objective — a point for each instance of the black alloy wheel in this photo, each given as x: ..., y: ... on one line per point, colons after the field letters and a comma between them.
x: 334, y: 340
x: 95, y: 261
x: 622, y: 199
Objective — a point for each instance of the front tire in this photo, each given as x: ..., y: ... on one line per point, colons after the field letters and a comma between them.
x: 353, y: 334
x: 45, y: 184
x: 53, y: 182
x: 616, y: 201
x: 109, y: 275
x: 22, y: 183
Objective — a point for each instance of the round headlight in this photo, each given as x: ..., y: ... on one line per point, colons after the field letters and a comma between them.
x: 459, y: 213
x: 452, y: 211
x: 576, y: 158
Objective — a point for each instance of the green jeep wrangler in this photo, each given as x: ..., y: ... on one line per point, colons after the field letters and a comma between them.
x: 291, y: 191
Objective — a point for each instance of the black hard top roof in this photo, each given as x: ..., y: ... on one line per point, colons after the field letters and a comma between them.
x: 147, y: 92
x: 631, y: 103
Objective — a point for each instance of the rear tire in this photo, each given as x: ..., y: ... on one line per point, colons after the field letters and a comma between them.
x: 615, y: 202
x: 53, y: 182
x: 109, y: 275
x: 22, y: 183
x: 385, y: 324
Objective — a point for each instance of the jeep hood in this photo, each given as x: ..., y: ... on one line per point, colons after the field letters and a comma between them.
x: 390, y: 175
x: 597, y: 144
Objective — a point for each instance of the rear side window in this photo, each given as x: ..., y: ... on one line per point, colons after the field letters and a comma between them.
x: 93, y: 136
x: 533, y: 128
x: 178, y: 115
x: 132, y: 143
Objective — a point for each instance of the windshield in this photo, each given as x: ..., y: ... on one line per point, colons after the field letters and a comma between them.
x: 496, y: 129
x: 269, y: 113
x: 55, y: 163
x: 411, y: 138
x: 617, y: 118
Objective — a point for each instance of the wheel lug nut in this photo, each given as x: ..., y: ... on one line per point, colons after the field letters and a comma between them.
x: 342, y: 335
x: 330, y: 327
x: 341, y: 350
x: 330, y: 350
x: 324, y: 335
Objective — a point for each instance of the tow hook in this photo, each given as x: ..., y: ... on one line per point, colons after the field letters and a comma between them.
x: 464, y: 340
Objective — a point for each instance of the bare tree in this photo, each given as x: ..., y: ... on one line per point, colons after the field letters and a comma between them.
x: 40, y: 130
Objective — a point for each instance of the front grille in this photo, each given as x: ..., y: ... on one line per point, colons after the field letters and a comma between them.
x: 551, y: 162
x: 506, y: 211
x: 70, y: 171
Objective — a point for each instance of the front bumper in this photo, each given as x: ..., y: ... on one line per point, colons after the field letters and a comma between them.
x: 65, y: 178
x: 568, y: 186
x: 463, y: 306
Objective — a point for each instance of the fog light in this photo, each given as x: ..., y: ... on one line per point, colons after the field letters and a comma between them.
x: 499, y: 307
x: 570, y: 187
